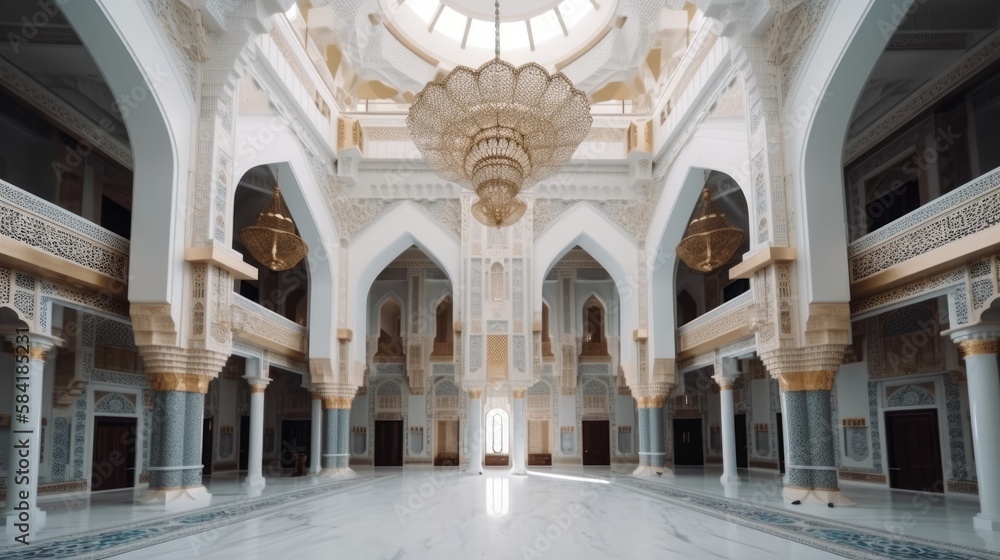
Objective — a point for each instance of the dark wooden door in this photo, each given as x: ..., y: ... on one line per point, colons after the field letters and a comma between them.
x: 741, y: 441
x: 206, y: 446
x: 914, y: 450
x: 113, y: 463
x: 244, y: 443
x: 388, y: 443
x: 596, y: 442
x: 295, y: 439
x: 781, y: 443
x: 688, y: 448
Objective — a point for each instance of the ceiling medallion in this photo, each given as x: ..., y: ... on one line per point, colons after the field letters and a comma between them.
x: 711, y: 239
x: 499, y: 130
x: 272, y: 240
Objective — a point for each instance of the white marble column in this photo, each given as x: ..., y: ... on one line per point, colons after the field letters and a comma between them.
x: 316, y: 435
x: 518, y: 442
x: 726, y: 372
x: 784, y: 432
x: 255, y: 482
x: 980, y: 350
x: 22, y: 517
x: 474, y: 432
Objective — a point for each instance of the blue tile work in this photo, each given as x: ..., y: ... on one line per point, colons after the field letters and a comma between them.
x: 873, y: 421
x: 193, y: 427
x: 910, y: 395
x: 79, y: 433
x: 331, y: 429
x: 643, y: 436
x: 656, y: 444
x: 103, y: 543
x: 60, y: 448
x: 167, y: 438
x: 810, y: 440
x: 836, y: 537
x: 343, y: 436
x: 956, y: 433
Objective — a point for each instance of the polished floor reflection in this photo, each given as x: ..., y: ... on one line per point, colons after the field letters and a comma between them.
x: 423, y: 512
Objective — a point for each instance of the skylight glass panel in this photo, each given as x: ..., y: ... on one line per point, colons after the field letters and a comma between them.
x: 423, y: 9
x: 513, y: 35
x: 545, y: 27
x: 481, y: 35
x: 574, y: 10
x: 451, y: 24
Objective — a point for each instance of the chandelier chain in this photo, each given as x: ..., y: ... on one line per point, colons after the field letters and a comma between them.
x: 498, y: 28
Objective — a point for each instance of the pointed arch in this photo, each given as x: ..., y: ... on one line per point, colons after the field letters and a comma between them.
x: 585, y: 226
x: 378, y: 244
x: 302, y: 192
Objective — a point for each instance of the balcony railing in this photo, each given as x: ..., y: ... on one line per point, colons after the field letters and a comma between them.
x: 42, y: 225
x: 719, y: 326
x: 965, y: 211
x: 262, y: 326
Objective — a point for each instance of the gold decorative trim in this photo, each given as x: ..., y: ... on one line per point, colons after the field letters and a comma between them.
x: 339, y: 403
x: 654, y: 401
x: 977, y: 347
x: 519, y: 392
x: 806, y: 381
x: 725, y: 383
x: 184, y: 382
x: 38, y: 354
x: 475, y: 394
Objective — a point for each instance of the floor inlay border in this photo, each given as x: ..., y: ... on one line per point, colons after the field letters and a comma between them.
x: 111, y: 541
x: 836, y: 537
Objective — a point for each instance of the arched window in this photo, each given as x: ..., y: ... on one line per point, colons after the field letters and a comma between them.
x: 443, y: 333
x: 594, y: 341
x: 390, y: 324
x: 546, y: 338
x: 496, y: 282
x: 497, y: 426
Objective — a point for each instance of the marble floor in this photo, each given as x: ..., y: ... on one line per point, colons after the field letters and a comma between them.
x: 423, y: 512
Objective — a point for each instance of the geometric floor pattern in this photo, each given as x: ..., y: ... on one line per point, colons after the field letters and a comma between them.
x: 112, y: 541
x: 844, y: 539
x: 406, y: 514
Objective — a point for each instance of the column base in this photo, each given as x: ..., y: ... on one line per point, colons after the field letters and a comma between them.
x: 647, y: 470
x: 14, y: 527
x: 254, y: 486
x: 337, y: 472
x: 177, y: 499
x: 474, y: 469
x: 814, y: 496
x: 986, y: 523
x: 519, y: 471
x: 727, y: 479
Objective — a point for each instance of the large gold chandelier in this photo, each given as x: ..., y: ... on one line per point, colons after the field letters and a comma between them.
x: 711, y: 239
x: 272, y: 240
x: 499, y: 130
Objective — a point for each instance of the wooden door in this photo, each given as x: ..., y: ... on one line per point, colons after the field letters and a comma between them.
x: 741, y: 441
x: 244, y: 443
x: 206, y: 446
x: 596, y: 442
x: 113, y: 463
x: 388, y: 443
x: 688, y: 449
x: 295, y: 439
x: 781, y: 443
x: 914, y: 450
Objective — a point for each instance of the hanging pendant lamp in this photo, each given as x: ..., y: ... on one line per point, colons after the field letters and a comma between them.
x: 498, y: 130
x: 711, y: 239
x: 272, y: 240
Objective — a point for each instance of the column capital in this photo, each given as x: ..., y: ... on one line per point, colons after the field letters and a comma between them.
x: 475, y: 394
x: 725, y: 382
x: 176, y: 381
x: 806, y: 381
x: 975, y: 340
x: 820, y: 357
x: 257, y: 384
x: 653, y: 395
x: 519, y: 392
x: 334, y: 395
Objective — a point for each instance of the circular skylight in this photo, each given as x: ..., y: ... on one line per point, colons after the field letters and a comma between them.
x: 453, y: 32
